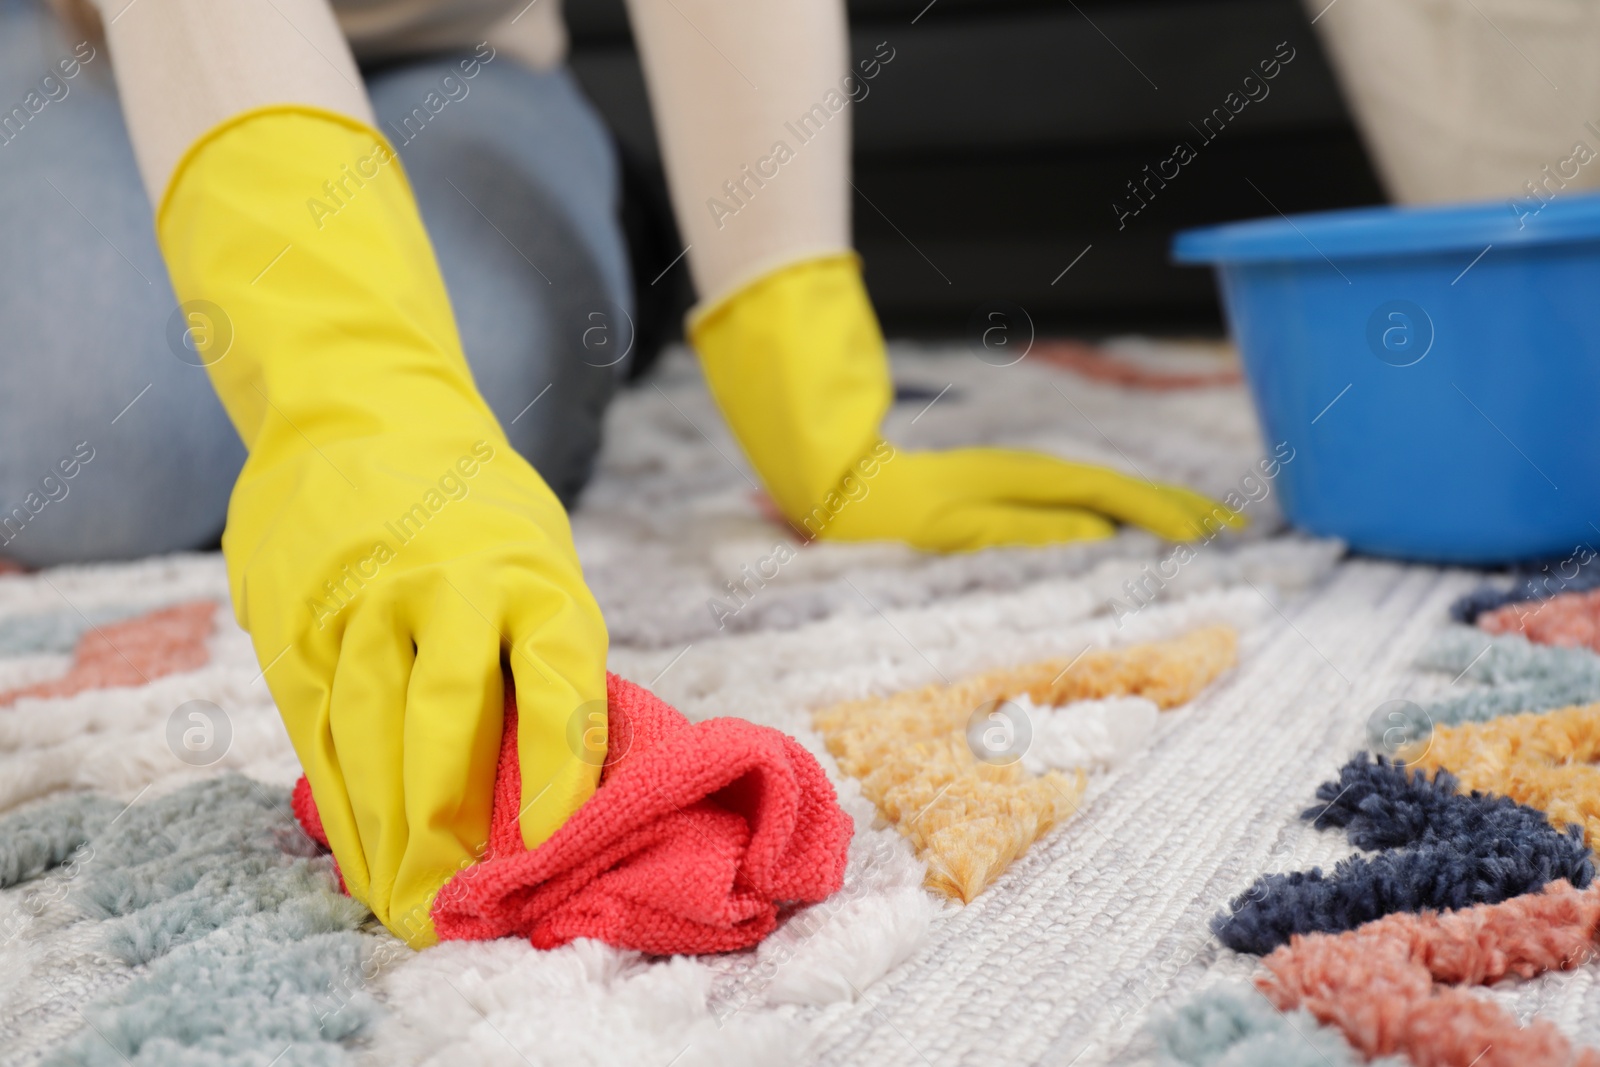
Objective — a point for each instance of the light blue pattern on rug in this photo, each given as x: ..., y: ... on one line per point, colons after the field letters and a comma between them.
x: 1512, y: 674
x: 252, y: 952
x: 1237, y: 1027
x: 35, y: 840
x: 55, y: 631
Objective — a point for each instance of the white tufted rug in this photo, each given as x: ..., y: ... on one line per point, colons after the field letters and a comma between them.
x: 1058, y: 962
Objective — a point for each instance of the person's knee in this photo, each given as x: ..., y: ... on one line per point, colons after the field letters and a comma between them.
x: 131, y: 489
x: 111, y: 445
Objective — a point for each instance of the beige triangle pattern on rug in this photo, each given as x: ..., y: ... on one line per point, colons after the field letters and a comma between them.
x: 970, y: 817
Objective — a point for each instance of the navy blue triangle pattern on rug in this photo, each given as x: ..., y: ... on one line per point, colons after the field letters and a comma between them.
x: 1434, y: 848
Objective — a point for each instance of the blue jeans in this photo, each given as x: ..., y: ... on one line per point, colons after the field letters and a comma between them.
x: 112, y: 445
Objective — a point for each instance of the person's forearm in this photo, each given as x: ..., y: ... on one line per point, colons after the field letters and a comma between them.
x: 183, y: 66
x: 730, y: 81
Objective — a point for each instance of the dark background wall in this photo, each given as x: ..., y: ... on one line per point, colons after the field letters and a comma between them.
x: 989, y: 153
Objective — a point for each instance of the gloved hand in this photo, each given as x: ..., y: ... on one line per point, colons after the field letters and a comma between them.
x: 797, y: 365
x: 386, y: 546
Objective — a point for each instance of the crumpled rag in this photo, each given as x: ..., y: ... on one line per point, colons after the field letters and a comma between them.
x: 697, y: 840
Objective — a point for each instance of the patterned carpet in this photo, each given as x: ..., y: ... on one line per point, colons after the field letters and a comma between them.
x: 161, y: 907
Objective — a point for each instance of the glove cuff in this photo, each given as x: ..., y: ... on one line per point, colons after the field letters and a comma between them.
x: 797, y: 364
x: 708, y: 308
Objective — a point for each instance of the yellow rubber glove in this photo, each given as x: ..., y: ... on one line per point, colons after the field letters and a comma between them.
x: 386, y: 546
x: 797, y: 365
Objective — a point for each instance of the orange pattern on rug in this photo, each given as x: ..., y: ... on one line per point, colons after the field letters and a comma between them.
x: 969, y: 818
x: 1391, y: 985
x: 133, y: 652
x: 1545, y: 760
x: 1102, y: 365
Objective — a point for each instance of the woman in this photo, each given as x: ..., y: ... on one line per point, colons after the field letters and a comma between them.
x: 389, y: 538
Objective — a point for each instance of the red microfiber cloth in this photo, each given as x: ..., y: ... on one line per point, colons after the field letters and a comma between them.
x: 698, y: 837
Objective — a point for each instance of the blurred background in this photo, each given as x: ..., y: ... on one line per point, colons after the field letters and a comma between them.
x: 990, y: 152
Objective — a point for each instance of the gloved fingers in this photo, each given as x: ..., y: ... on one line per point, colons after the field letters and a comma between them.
x: 1175, y: 513
x: 973, y: 526
x: 366, y: 716
x: 982, y: 474
x: 1209, y: 511
x: 455, y: 703
x: 1019, y: 477
x: 557, y: 657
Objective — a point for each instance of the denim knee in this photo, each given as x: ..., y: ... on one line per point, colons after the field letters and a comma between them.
x: 111, y: 445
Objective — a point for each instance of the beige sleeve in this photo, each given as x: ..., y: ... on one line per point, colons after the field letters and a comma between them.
x: 757, y: 151
x: 183, y: 66
x: 1469, y: 99
x: 750, y: 98
x: 534, y: 33
x: 530, y: 30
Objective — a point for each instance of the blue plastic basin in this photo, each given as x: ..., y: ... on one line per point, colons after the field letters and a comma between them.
x: 1442, y: 401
